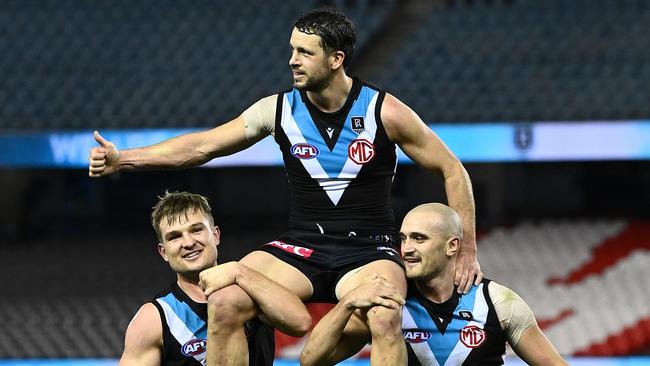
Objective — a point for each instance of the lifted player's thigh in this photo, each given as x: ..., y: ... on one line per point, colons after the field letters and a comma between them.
x: 280, y: 272
x: 390, y: 270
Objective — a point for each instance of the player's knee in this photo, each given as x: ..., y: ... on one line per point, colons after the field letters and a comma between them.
x: 230, y: 307
x: 385, y: 323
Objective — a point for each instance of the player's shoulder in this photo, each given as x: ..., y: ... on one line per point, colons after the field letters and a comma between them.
x: 146, y: 325
x: 495, y: 286
x: 398, y: 118
x: 370, y: 85
x: 394, y: 109
x: 266, y: 101
x: 147, y: 314
x: 269, y: 98
x: 502, y: 294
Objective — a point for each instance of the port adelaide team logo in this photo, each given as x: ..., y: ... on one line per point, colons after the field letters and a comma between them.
x: 360, y: 151
x: 304, y: 150
x: 416, y: 335
x: 194, y: 347
x: 357, y: 124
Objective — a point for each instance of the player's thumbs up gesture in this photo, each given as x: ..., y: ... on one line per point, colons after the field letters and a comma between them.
x: 103, y: 159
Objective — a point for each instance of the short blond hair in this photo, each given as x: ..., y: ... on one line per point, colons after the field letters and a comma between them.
x: 172, y: 206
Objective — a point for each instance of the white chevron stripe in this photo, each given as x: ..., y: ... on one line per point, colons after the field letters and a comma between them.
x: 334, y: 187
x: 421, y: 350
x: 178, y: 328
x: 480, y: 313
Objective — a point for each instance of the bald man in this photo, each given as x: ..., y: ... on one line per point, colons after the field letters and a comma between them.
x: 439, y: 326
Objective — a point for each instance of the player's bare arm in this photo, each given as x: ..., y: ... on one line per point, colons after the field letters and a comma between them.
x: 424, y: 147
x: 143, y: 340
x: 523, y: 334
x: 279, y: 306
x: 339, y: 334
x: 536, y: 350
x: 187, y: 150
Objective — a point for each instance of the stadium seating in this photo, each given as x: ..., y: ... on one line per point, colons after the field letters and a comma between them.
x: 77, y: 65
x: 72, y: 64
x: 586, y: 275
x: 58, y: 303
x: 524, y: 60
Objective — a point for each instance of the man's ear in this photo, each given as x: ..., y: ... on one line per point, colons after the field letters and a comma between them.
x: 217, y: 234
x: 453, y: 246
x: 337, y: 58
x: 162, y: 252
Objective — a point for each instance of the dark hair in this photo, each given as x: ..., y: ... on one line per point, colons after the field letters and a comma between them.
x: 335, y: 30
x: 172, y: 206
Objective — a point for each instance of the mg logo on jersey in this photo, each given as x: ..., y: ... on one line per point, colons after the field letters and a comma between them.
x: 361, y: 151
x: 301, y: 251
x: 304, y: 150
x: 472, y: 336
x: 416, y: 335
x: 194, y: 347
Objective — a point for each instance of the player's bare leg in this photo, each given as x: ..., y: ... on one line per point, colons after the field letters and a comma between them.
x: 230, y: 307
x: 228, y: 310
x: 385, y: 324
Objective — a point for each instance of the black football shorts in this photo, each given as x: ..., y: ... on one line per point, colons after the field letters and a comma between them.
x: 325, y: 258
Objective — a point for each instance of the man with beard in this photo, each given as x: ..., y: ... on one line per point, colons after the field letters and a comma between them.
x: 338, y: 137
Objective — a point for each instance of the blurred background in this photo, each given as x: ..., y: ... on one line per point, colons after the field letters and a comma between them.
x: 547, y: 103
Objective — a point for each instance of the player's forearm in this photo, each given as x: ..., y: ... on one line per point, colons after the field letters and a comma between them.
x: 326, y: 336
x: 535, y: 349
x: 461, y: 198
x: 179, y: 152
x: 282, y: 308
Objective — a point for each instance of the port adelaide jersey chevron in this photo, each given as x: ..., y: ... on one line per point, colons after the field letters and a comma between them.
x: 463, y: 330
x: 340, y: 165
x: 185, y: 331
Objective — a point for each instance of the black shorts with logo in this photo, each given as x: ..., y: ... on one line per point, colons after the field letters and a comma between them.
x: 325, y: 258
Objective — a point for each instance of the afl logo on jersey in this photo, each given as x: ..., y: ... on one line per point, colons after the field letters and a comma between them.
x: 416, y: 335
x: 361, y: 151
x: 194, y: 347
x: 304, y: 150
x: 472, y: 336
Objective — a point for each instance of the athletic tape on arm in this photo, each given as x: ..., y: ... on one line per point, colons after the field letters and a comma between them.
x: 260, y: 118
x: 515, y: 316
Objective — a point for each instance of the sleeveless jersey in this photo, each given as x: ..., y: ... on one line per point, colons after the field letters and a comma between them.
x: 185, y: 331
x: 340, y: 165
x: 463, y: 330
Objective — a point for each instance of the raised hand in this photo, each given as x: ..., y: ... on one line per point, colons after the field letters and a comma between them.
x: 104, y: 159
x: 468, y: 272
